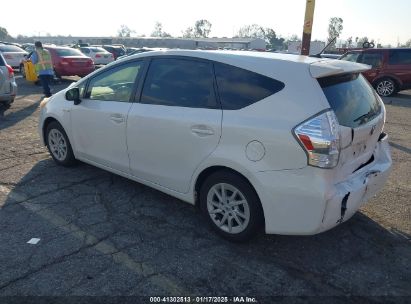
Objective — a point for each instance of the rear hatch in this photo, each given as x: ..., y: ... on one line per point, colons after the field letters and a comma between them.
x: 360, y: 113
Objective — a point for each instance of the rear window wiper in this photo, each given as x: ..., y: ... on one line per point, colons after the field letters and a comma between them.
x: 365, y: 116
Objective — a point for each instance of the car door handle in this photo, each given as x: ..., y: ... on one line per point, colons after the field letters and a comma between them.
x: 118, y: 118
x: 202, y: 130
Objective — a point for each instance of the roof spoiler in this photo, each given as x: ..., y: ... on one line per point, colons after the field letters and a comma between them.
x: 331, y: 67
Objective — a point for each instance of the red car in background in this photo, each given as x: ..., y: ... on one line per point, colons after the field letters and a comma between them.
x: 391, y: 68
x: 70, y: 62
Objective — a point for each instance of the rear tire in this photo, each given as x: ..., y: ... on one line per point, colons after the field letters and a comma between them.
x: 231, y: 206
x: 385, y: 87
x: 59, y: 145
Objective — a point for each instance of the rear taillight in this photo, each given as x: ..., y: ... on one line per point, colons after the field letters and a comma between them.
x: 98, y: 56
x: 320, y: 138
x: 10, y: 70
x: 64, y: 61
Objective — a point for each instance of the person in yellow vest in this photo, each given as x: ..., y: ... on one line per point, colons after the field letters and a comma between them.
x: 43, y: 64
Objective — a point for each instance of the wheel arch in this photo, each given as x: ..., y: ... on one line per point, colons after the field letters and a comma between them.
x: 47, y: 121
x: 206, y: 172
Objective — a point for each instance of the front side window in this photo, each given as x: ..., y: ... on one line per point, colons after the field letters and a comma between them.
x: 373, y: 59
x: 179, y: 82
x: 400, y: 57
x: 115, y: 84
x: 239, y: 88
x: 353, y: 57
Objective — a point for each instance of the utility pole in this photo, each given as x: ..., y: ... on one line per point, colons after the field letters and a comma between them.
x: 308, y: 25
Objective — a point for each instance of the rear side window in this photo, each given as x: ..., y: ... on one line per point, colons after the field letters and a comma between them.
x: 239, y: 88
x: 374, y: 59
x: 352, y: 99
x: 179, y: 82
x: 400, y: 57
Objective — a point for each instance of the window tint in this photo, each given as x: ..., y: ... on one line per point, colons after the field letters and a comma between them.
x: 400, y: 57
x: 353, y: 57
x: 352, y: 99
x: 68, y: 52
x: 239, y: 88
x: 85, y: 50
x: 373, y: 59
x: 179, y: 82
x: 115, y: 84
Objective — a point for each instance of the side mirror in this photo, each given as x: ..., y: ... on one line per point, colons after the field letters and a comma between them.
x: 73, y: 95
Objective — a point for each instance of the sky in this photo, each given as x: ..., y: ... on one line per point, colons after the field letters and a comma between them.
x: 388, y: 22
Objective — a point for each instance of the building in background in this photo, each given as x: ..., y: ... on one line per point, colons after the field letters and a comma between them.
x: 182, y: 43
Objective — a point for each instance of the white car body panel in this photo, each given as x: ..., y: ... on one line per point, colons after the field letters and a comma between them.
x: 296, y: 198
x: 157, y: 135
x: 14, y: 58
x: 93, y: 122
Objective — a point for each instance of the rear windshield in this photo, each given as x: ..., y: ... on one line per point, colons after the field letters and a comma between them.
x: 98, y: 50
x: 352, y: 99
x: 10, y: 48
x: 2, y: 61
x: 68, y: 52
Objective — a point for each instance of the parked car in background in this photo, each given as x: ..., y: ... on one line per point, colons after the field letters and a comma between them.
x: 116, y: 50
x: 133, y: 51
x: 391, y: 68
x: 290, y: 143
x: 70, y: 62
x: 12, y: 54
x: 28, y: 47
x: 8, y: 86
x: 98, y: 54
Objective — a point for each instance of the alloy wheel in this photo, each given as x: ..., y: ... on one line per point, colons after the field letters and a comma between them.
x: 385, y: 88
x: 228, y: 208
x: 57, y: 144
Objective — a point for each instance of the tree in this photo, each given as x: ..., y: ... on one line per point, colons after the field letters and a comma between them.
x: 124, y: 31
x: 158, y: 31
x: 335, y: 27
x: 201, y: 29
x: 257, y: 31
x: 251, y: 31
x: 188, y: 33
x: 4, y: 34
x: 408, y: 43
x: 360, y: 41
x: 349, y: 41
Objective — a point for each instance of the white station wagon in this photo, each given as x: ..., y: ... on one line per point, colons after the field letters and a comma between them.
x: 290, y: 143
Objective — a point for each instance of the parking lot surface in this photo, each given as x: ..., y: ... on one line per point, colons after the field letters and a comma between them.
x: 101, y: 234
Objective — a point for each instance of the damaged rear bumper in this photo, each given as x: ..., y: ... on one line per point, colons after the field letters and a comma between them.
x: 348, y: 196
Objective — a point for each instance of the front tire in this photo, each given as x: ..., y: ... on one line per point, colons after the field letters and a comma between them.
x: 231, y: 206
x: 385, y: 87
x: 59, y: 145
